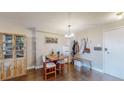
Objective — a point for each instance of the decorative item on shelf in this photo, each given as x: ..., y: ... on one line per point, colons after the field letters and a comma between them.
x: 7, y: 46
x: 19, y: 46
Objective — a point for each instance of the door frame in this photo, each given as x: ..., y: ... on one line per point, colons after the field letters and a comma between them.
x: 104, y: 31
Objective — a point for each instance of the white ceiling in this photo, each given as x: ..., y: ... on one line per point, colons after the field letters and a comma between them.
x: 57, y: 22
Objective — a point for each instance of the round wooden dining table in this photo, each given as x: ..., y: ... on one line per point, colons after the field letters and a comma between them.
x: 54, y: 58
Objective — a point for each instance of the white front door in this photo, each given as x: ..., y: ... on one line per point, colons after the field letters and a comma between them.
x: 114, y: 52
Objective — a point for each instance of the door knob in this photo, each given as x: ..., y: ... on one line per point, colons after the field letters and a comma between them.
x: 108, y: 52
x: 106, y: 49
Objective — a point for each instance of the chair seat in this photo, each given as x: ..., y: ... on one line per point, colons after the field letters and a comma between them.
x: 61, y: 62
x: 50, y: 65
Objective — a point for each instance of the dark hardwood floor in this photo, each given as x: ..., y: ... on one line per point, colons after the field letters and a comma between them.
x: 71, y: 73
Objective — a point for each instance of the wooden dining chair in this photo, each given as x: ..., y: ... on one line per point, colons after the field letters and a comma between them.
x: 61, y: 65
x: 49, y: 69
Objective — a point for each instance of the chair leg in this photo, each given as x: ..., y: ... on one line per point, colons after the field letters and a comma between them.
x: 55, y: 72
x: 45, y: 75
x: 63, y: 66
x: 59, y: 68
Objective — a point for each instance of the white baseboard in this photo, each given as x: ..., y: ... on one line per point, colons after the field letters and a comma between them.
x: 99, y: 70
x: 96, y: 69
x: 41, y: 66
x: 79, y: 64
x: 32, y: 67
x: 37, y: 67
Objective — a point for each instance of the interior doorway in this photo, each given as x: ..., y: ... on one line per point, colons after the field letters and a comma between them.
x: 114, y: 52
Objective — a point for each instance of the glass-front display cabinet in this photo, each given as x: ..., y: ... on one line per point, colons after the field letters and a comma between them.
x: 19, y: 46
x: 20, y: 55
x: 12, y: 56
x: 7, y: 46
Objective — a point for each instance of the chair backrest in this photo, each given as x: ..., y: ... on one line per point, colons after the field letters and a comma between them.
x: 44, y: 58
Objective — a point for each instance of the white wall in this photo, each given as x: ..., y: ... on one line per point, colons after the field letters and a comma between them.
x: 95, y: 36
x: 43, y: 48
x: 7, y: 26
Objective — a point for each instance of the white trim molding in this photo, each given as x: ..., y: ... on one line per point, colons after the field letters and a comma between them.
x: 38, y: 67
x: 35, y: 67
x: 96, y: 69
x: 80, y: 64
x: 32, y: 67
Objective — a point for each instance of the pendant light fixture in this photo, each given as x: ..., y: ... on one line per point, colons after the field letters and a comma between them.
x: 69, y: 34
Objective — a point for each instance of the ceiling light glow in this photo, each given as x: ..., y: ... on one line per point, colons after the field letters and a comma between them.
x: 119, y: 15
